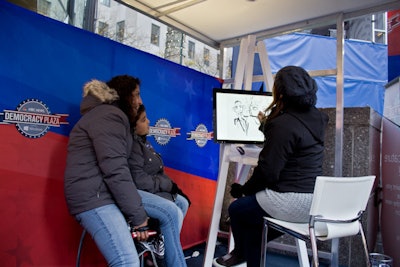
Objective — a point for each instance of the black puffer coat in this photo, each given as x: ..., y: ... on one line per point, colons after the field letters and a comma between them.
x: 147, y: 169
x: 292, y: 154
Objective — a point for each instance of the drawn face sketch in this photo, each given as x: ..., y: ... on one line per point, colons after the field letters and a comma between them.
x: 239, y: 120
x: 254, y: 108
x: 238, y: 108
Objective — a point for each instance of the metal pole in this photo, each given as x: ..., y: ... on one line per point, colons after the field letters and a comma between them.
x: 339, y: 121
x: 339, y: 96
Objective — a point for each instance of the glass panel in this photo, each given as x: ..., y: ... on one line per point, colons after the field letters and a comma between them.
x: 155, y: 34
x: 120, y: 31
x: 191, y: 50
x: 206, y: 57
x: 105, y: 2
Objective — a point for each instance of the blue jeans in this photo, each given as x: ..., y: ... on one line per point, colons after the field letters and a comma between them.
x: 171, y: 217
x: 110, y: 232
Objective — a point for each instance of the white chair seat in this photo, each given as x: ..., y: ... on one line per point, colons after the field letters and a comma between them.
x: 336, y: 209
x: 323, y: 231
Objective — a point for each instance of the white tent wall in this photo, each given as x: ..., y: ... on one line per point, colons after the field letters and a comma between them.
x: 222, y: 23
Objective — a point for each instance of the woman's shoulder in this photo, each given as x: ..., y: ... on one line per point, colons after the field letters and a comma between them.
x: 285, y: 118
x: 109, y: 112
x: 284, y: 124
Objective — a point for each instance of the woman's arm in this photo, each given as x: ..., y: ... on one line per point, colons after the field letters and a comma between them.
x: 278, y: 145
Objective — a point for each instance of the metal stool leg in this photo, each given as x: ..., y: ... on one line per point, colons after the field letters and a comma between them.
x: 78, y: 256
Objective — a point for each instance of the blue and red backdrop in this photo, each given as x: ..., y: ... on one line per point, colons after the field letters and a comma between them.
x: 43, y: 66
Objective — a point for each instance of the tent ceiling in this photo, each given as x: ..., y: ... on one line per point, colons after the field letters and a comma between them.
x: 225, y: 22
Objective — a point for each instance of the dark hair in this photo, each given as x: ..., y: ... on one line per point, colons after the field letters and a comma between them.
x: 293, y: 87
x: 125, y: 85
x: 139, y: 112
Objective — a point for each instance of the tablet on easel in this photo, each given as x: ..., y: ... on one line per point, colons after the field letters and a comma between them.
x: 235, y: 115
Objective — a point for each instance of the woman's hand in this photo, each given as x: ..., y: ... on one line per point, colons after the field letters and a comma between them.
x: 261, y: 116
x: 142, y: 231
x: 236, y: 190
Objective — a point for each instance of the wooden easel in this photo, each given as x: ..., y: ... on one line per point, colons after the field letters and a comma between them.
x: 228, y: 152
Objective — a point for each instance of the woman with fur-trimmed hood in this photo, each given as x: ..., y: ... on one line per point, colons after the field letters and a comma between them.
x: 98, y: 185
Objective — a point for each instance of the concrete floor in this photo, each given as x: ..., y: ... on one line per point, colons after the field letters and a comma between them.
x: 194, y: 257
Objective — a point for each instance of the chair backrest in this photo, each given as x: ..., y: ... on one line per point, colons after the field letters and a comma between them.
x: 341, y: 198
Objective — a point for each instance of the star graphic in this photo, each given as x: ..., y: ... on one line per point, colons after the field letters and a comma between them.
x: 162, y: 80
x: 21, y: 253
x: 189, y: 90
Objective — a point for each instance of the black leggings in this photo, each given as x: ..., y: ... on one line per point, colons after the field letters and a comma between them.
x: 246, y: 217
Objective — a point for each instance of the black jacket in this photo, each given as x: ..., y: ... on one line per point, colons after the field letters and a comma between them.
x: 292, y: 154
x: 147, y: 169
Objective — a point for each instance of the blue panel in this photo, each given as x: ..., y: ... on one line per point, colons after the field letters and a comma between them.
x: 48, y: 60
x: 394, y: 67
x: 365, y: 67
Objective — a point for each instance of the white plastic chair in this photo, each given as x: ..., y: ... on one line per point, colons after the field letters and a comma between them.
x: 336, y: 210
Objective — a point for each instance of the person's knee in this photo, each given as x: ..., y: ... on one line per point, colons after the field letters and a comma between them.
x: 234, y: 209
x: 167, y: 214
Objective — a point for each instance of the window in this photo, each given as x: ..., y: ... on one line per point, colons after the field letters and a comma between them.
x: 155, y: 35
x: 105, y: 2
x: 206, y: 56
x: 120, y: 32
x: 379, y: 22
x: 102, y: 29
x: 218, y: 61
x: 44, y: 7
x: 191, y: 50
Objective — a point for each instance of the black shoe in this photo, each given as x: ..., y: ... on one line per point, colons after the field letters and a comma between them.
x: 229, y: 260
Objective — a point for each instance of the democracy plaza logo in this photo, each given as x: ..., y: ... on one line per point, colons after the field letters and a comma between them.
x: 200, y: 135
x: 163, y: 132
x: 32, y: 118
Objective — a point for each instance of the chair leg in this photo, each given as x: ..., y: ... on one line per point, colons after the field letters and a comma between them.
x: 264, y: 242
x: 364, y: 241
x: 78, y: 256
x: 302, y: 253
x: 314, y: 248
x: 335, y: 252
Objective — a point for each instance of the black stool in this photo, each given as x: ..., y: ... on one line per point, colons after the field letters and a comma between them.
x: 141, y: 253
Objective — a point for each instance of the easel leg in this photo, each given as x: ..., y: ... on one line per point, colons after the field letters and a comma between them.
x: 218, y: 202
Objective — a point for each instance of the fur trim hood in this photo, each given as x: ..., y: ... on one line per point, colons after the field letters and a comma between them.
x: 95, y: 93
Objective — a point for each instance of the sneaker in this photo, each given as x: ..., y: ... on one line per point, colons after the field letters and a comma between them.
x: 229, y: 260
x: 155, y: 244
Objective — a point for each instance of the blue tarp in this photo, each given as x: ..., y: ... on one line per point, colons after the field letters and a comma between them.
x: 365, y: 67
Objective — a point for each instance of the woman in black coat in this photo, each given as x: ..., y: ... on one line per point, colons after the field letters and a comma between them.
x: 282, y: 183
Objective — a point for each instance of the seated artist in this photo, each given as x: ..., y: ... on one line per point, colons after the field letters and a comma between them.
x: 282, y: 183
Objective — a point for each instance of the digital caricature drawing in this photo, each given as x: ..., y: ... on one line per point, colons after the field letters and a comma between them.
x: 246, y: 114
x: 240, y: 121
